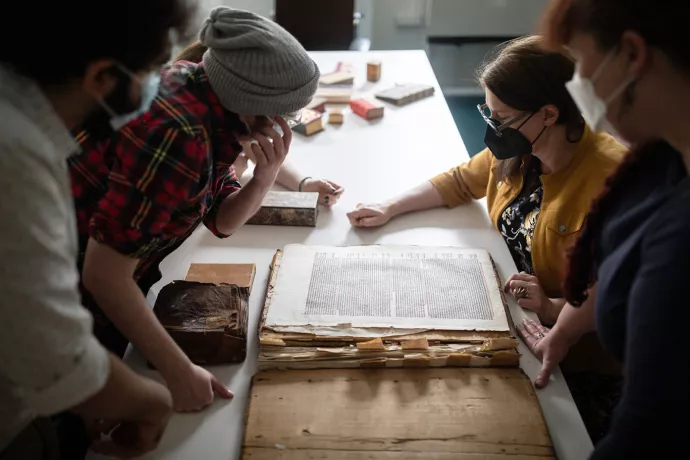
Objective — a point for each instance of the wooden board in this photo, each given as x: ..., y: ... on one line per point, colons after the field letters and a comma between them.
x: 395, y: 414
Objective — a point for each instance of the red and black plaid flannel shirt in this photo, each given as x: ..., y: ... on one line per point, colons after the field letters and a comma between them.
x: 145, y: 189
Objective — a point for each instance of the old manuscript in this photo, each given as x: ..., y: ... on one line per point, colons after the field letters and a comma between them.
x: 400, y: 287
x: 384, y: 307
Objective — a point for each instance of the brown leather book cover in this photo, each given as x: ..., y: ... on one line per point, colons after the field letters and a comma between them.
x: 207, y: 314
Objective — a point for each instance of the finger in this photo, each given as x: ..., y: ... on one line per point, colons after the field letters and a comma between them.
x: 531, y: 327
x: 277, y: 143
x: 547, y: 368
x: 369, y: 222
x: 506, y: 287
x: 525, y: 277
x: 543, y: 329
x: 221, y: 390
x: 361, y: 213
x: 517, y: 283
x: 248, y: 152
x: 287, y: 133
x: 529, y: 340
x: 266, y: 147
x: 335, y: 187
x: 259, y: 155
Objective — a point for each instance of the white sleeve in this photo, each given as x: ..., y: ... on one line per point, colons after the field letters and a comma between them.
x: 48, y: 351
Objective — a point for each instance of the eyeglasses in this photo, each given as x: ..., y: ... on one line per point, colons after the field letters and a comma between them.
x: 496, y: 125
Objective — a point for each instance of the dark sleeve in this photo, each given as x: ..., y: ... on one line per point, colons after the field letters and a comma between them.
x: 651, y: 418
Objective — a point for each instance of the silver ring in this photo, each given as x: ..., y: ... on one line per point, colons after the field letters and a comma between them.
x: 539, y: 335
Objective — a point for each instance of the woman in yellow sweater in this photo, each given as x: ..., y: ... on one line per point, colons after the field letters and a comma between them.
x: 540, y: 171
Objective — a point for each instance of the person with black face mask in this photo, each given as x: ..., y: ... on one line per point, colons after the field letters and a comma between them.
x: 51, y: 361
x: 539, y: 173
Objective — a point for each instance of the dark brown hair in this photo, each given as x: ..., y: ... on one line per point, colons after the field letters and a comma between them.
x: 192, y: 53
x: 527, y: 77
x: 659, y: 23
x: 135, y: 33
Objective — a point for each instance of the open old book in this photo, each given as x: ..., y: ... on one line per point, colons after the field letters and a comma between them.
x: 384, y: 306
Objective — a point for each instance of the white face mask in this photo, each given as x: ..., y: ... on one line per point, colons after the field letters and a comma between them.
x: 148, y: 91
x: 592, y: 107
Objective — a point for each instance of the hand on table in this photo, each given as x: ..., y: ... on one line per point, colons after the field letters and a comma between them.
x: 550, y: 347
x: 329, y: 192
x: 193, y: 389
x: 530, y: 296
x: 369, y: 215
x: 268, y: 155
x: 139, y: 434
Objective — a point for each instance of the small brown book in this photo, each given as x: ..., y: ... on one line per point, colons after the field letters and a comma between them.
x: 310, y: 123
x: 299, y: 209
x: 318, y: 104
x: 337, y: 78
x: 405, y: 94
x: 334, y: 95
x: 373, y: 71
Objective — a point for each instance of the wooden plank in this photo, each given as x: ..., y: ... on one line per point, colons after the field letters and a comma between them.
x: 259, y: 453
x: 396, y: 414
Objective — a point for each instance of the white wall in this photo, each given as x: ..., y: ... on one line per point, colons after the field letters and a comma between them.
x: 394, y: 26
x: 262, y: 7
x: 476, y: 18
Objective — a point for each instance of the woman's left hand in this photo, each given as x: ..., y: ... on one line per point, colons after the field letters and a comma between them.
x: 329, y: 192
x: 530, y: 295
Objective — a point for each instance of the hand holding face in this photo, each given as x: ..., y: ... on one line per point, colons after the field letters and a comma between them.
x: 270, y: 151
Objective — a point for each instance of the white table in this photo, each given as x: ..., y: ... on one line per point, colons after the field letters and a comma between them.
x: 373, y: 161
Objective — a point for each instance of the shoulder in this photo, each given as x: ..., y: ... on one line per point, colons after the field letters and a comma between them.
x: 605, y: 153
x: 179, y: 103
x: 18, y: 132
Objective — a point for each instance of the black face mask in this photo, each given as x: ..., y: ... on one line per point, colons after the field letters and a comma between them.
x: 510, y: 143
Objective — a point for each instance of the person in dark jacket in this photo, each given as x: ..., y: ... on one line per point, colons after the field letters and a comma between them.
x: 632, y: 77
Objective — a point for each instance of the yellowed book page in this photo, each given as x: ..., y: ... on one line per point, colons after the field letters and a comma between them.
x: 402, y: 287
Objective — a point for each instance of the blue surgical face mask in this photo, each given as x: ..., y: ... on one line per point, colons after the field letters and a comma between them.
x: 148, y: 85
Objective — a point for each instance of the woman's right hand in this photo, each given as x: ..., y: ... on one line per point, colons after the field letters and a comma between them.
x: 369, y: 215
x: 549, y: 345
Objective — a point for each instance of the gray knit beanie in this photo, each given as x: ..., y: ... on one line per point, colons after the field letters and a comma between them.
x: 255, y: 66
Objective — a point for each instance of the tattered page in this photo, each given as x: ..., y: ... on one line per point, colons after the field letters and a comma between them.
x: 401, y: 287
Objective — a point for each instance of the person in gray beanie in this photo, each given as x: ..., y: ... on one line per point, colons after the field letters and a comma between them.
x: 142, y: 191
x: 254, y: 65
